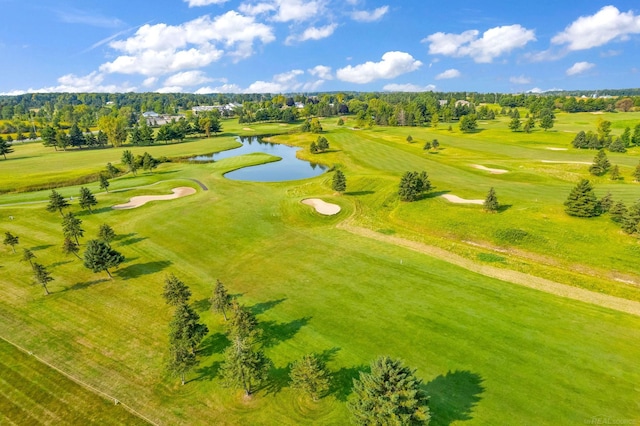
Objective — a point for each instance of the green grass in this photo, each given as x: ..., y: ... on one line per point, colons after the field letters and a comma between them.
x: 489, y: 352
x: 33, y: 393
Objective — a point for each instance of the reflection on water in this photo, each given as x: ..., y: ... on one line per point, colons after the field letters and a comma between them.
x: 288, y: 168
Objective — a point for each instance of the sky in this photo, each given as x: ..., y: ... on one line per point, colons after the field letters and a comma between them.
x: 294, y: 46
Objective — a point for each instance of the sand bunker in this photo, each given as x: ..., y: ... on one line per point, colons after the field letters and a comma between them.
x: 457, y: 200
x: 141, y: 200
x: 492, y: 171
x: 321, y: 206
x: 557, y: 149
x: 249, y: 129
x: 566, y: 162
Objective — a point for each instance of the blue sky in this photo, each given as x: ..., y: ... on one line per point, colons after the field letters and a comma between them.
x: 254, y: 46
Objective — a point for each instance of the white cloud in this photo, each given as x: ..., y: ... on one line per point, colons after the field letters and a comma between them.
x: 160, y: 49
x: 450, y: 73
x: 493, y: 43
x: 539, y: 90
x: 321, y: 71
x: 393, y: 87
x: 580, y: 67
x: 187, y: 78
x: 313, y: 33
x: 225, y: 88
x: 520, y: 80
x: 296, y: 10
x: 196, y: 3
x: 169, y: 89
x: 148, y: 82
x: 392, y: 65
x: 369, y: 16
x: 71, y: 83
x: 256, y: 9
x: 591, y: 31
x: 75, y: 16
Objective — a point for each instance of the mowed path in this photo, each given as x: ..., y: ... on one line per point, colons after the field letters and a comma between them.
x: 515, y: 277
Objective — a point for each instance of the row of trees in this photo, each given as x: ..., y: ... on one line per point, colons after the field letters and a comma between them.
x: 546, y: 120
x: 602, y: 138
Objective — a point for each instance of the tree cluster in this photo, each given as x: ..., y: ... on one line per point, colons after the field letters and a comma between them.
x: 413, y: 185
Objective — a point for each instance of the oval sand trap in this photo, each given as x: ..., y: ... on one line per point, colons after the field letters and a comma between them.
x: 141, y: 200
x: 321, y: 206
x: 457, y: 200
x: 557, y: 149
x: 492, y: 171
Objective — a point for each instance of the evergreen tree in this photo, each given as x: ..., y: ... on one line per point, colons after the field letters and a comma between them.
x: 5, y: 148
x: 98, y: 257
x: 71, y: 247
x: 72, y: 227
x: 529, y: 125
x: 243, y: 323
x: 106, y: 233
x: 636, y: 173
x: 175, y: 292
x: 112, y: 171
x: 220, y: 300
x: 42, y: 276
x: 515, y: 124
x: 185, y: 329
x: 427, y: 146
x: 546, y: 119
x: 412, y: 185
x: 76, y: 138
x: 580, y: 141
x: 148, y: 162
x: 129, y: 161
x: 409, y: 139
x: 28, y: 256
x: 606, y: 203
x: 491, y: 202
x: 313, y: 148
x: 435, y: 144
x: 631, y: 219
x: 245, y: 366
x: 390, y: 395
x: 468, y: 123
x: 104, y: 182
x: 618, y: 211
x: 339, y: 182
x: 617, y: 146
x: 310, y: 375
x: 87, y: 199
x: 600, y: 164
x: 181, y: 360
x: 615, y: 173
x: 11, y: 240
x: 626, y: 137
x: 56, y: 202
x: 635, y: 139
x: 322, y: 143
x: 582, y: 201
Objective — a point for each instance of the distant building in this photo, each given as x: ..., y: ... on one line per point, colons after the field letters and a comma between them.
x: 150, y: 114
x: 462, y: 103
x: 443, y: 102
x: 222, y: 108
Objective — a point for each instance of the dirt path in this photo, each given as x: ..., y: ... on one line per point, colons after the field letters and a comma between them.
x: 515, y: 277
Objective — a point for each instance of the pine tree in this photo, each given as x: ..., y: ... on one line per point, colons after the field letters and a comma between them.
x: 245, y: 366
x: 220, y: 300
x: 582, y: 201
x: 175, y: 291
x: 339, y: 182
x: 491, y: 202
x: 322, y: 143
x: 615, y: 173
x: 185, y: 327
x: 409, y: 139
x: 70, y: 247
x: 515, y: 124
x: 600, y: 164
x: 631, y: 219
x: 56, y: 202
x: 72, y: 227
x: 310, y: 375
x: 580, y: 141
x: 412, y: 185
x: 243, y: 323
x: 98, y: 257
x: 11, y: 240
x: 104, y: 182
x: 313, y: 148
x: 181, y: 360
x: 618, y: 211
x: 106, y: 233
x: 87, y: 199
x: 42, y: 276
x: 390, y: 395
x: 5, y: 147
x: 617, y: 146
x: 636, y: 173
x: 435, y: 144
x: 427, y: 146
x: 606, y: 203
x: 28, y: 256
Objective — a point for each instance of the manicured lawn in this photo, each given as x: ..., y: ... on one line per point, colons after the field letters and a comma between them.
x: 489, y: 352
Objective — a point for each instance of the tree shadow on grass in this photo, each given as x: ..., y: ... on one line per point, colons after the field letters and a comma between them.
x: 356, y: 193
x: 86, y: 284
x: 60, y: 263
x: 94, y: 211
x: 209, y: 372
x: 453, y: 396
x: 214, y: 344
x: 130, y: 241
x: 202, y: 305
x: 327, y: 355
x: 261, y: 308
x: 274, y: 333
x: 278, y: 379
x: 504, y: 207
x: 342, y: 381
x: 140, y: 269
x: 433, y: 194
x: 41, y: 247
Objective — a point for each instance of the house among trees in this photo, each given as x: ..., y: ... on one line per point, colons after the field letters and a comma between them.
x: 155, y: 119
x: 228, y: 108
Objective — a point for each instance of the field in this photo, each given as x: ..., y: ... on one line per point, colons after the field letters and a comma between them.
x: 489, y: 351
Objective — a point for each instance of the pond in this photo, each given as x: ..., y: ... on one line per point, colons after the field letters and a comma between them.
x: 289, y: 168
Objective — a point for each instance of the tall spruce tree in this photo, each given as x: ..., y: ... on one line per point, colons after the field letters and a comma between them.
x: 220, y: 300
x: 71, y: 247
x: 56, y: 202
x: 339, y: 181
x: 106, y: 233
x: 491, y: 202
x: 5, y: 148
x: 28, y: 256
x: 582, y: 201
x: 72, y: 227
x: 185, y: 327
x: 99, y: 257
x: 87, y: 199
x: 42, y: 276
x: 600, y: 164
x: 390, y: 395
x: 310, y: 375
x: 245, y: 365
x: 175, y: 292
x: 11, y: 240
x: 104, y: 182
